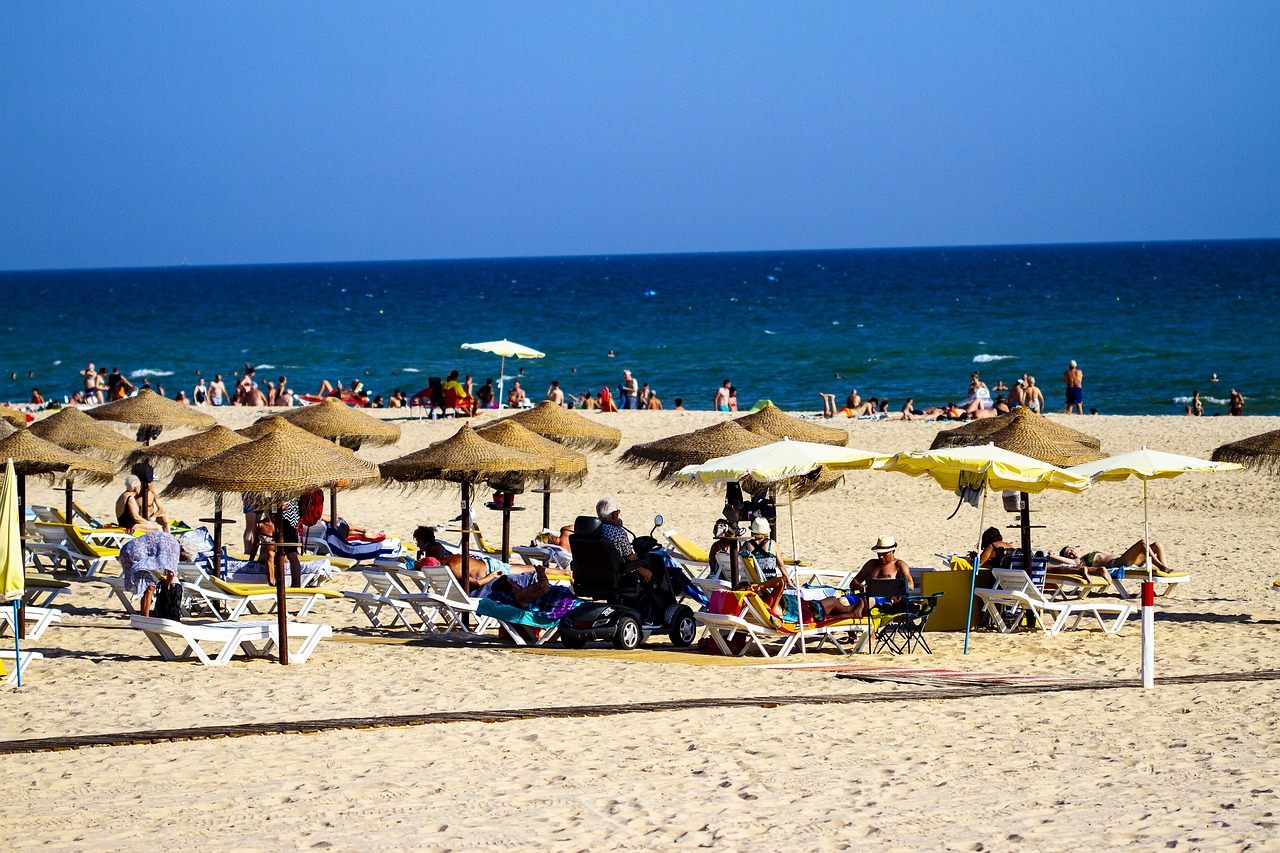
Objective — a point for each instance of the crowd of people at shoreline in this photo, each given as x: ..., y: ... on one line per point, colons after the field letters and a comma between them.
x: 461, y: 394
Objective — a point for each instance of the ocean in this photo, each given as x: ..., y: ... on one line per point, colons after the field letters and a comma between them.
x: 1148, y: 323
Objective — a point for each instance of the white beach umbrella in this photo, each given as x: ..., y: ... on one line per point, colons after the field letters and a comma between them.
x: 1148, y: 465
x: 505, y: 349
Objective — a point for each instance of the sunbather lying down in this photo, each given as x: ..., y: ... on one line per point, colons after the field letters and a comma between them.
x: 850, y: 606
x: 1097, y: 562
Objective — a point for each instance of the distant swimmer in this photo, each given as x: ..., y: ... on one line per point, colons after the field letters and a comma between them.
x: 610, y: 353
x: 1213, y: 378
x: 1073, y: 379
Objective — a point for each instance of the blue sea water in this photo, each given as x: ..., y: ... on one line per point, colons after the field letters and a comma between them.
x: 1148, y: 323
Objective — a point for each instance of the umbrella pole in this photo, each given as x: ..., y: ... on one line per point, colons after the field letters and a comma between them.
x: 546, y: 503
x: 506, y: 529
x: 1146, y: 528
x: 333, y: 504
x: 282, y: 617
x: 795, y: 567
x: 17, y: 634
x: 466, y: 538
x: 217, y: 535
x: 70, y: 488
x: 1026, y: 532
x: 502, y: 369
x: 977, y: 564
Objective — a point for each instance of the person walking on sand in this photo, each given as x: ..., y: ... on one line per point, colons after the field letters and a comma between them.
x: 720, y: 402
x: 1073, y: 378
x: 1235, y: 403
x: 1195, y: 408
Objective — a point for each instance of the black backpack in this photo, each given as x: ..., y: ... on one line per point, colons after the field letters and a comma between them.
x: 168, y: 600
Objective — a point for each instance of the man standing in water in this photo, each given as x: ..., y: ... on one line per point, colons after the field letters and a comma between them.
x: 1073, y: 378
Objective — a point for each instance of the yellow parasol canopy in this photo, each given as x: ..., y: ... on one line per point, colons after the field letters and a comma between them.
x: 12, y: 579
x: 781, y: 460
x: 1003, y: 469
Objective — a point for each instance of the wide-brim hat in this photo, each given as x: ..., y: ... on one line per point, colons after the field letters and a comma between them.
x: 885, y: 544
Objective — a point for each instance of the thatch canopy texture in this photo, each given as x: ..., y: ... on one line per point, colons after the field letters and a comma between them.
x: 1258, y: 452
x: 568, y: 428
x: 184, y: 451
x: 667, y: 455
x: 976, y: 432
x: 464, y: 457
x: 33, y: 455
x: 74, y: 430
x: 774, y: 423
x: 336, y: 421
x: 568, y: 467
x: 275, y: 468
x: 147, y: 408
x: 1030, y: 437
x: 13, y: 417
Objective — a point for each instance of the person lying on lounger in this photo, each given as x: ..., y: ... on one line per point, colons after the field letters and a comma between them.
x: 850, y: 606
x: 1097, y: 562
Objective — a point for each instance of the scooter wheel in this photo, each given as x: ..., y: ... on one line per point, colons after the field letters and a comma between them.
x: 684, y: 628
x: 628, y: 635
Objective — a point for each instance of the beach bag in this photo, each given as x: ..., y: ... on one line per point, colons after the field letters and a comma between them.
x: 311, y: 507
x: 168, y: 600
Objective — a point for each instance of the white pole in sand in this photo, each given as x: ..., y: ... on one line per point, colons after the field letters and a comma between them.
x: 1148, y: 634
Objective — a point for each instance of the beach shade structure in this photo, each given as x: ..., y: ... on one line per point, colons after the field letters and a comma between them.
x: 668, y: 455
x: 970, y: 472
x: 976, y: 432
x: 1149, y: 465
x: 284, y: 464
x: 464, y: 458
x: 779, y: 462
x: 568, y: 428
x: 772, y: 422
x: 6, y: 429
x: 1034, y: 435
x: 76, y: 431
x: 149, y: 409
x: 335, y: 420
x: 505, y: 349
x: 1258, y: 452
x: 13, y: 417
x: 188, y: 450
x: 568, y: 467
x: 12, y: 560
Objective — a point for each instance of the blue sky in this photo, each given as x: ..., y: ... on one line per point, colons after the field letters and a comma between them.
x: 143, y: 134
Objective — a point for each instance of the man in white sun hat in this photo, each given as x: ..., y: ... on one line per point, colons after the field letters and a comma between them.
x: 885, y: 563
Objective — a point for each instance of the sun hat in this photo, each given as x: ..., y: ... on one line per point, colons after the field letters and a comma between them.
x: 885, y: 544
x: 760, y: 526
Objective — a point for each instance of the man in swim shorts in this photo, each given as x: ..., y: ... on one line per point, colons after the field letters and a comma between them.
x: 1073, y: 378
x: 721, y: 399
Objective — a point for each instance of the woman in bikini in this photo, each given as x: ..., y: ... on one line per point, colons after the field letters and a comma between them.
x: 1098, y: 562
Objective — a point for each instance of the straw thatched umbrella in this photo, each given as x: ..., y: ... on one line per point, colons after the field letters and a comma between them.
x: 568, y: 428
x: 464, y: 458
x: 1259, y: 452
x: 76, y: 431
x: 976, y: 432
x: 667, y: 455
x: 13, y: 417
x: 773, y: 423
x: 186, y: 451
x: 273, y: 469
x: 1033, y: 435
x: 33, y: 456
x: 335, y: 420
x: 6, y: 429
x: 568, y: 467
x: 149, y: 409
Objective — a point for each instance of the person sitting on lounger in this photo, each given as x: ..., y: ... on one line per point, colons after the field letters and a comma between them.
x: 145, y: 560
x: 430, y: 552
x: 1098, y: 562
x: 995, y: 551
x: 129, y: 513
x: 885, y: 565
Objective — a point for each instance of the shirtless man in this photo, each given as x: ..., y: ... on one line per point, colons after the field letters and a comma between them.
x: 1016, y: 397
x: 90, y: 375
x: 1073, y: 378
x: 554, y: 394
x: 720, y: 402
x: 853, y: 401
x: 217, y: 392
x: 885, y: 565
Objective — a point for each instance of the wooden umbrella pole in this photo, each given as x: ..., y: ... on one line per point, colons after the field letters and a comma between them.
x: 1025, y: 502
x: 546, y: 503
x: 466, y: 538
x: 217, y: 535
x: 146, y: 487
x: 282, y: 616
x: 70, y: 488
x: 506, y: 529
x: 333, y: 504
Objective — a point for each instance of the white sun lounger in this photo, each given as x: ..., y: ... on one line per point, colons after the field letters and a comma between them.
x: 12, y: 665
x: 1016, y: 594
x: 233, y: 636
x: 37, y: 620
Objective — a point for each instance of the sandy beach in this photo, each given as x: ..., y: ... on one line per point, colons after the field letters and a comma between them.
x: 1191, y: 765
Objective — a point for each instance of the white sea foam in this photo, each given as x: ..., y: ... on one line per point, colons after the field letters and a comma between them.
x: 147, y: 371
x: 1217, y: 401
x: 265, y: 367
x: 57, y: 362
x: 984, y: 358
x: 410, y: 370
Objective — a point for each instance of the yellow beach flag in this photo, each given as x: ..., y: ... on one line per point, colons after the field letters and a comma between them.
x: 12, y: 578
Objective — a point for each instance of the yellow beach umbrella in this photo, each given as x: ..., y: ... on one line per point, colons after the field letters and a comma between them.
x: 505, y: 349
x: 969, y: 470
x: 779, y: 462
x: 1147, y: 465
x: 12, y: 578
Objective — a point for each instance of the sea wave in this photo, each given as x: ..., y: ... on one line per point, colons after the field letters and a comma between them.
x: 148, y: 371
x: 1217, y: 401
x: 410, y: 370
x: 264, y: 367
x: 983, y: 358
